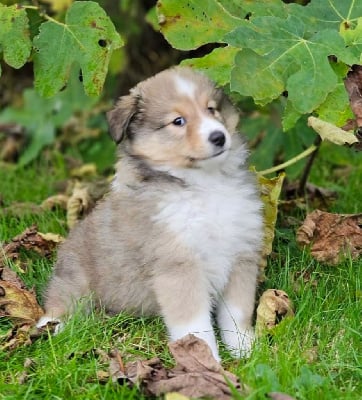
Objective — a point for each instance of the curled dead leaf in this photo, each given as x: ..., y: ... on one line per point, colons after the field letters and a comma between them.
x: 274, y: 305
x: 16, y: 337
x: 270, y: 192
x: 196, y: 374
x: 84, y: 171
x: 83, y: 198
x: 30, y: 239
x: 79, y: 203
x: 332, y: 133
x: 18, y: 304
x: 332, y: 237
x: 58, y: 200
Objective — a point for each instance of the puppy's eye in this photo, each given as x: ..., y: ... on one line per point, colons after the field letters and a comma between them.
x: 179, y: 121
x: 211, y: 110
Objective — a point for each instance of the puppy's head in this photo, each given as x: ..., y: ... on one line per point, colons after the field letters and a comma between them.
x: 177, y: 118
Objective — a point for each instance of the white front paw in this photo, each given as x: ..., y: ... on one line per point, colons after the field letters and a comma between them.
x: 239, y: 343
x: 44, y: 320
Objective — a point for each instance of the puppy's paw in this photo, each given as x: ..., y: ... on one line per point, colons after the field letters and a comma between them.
x: 239, y: 343
x: 55, y: 322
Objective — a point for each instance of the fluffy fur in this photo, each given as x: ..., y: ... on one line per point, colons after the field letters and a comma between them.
x: 180, y: 232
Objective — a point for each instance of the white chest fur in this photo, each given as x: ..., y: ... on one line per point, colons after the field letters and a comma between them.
x: 217, y: 217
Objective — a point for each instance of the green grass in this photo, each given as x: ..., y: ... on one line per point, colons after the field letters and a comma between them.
x: 315, y: 355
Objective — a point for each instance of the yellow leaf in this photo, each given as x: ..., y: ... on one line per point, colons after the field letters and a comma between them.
x: 270, y: 192
x: 59, y: 5
x: 176, y: 396
x: 331, y: 132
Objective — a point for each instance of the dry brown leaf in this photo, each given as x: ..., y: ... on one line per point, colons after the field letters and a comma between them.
x: 58, y: 200
x: 273, y: 306
x: 79, y: 203
x: 196, y: 374
x: 83, y: 198
x: 30, y: 239
x: 16, y: 337
x: 18, y: 304
x: 332, y: 237
x: 6, y: 274
x: 270, y: 193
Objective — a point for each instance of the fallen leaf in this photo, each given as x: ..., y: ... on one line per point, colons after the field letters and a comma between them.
x: 52, y: 202
x: 18, y: 304
x: 332, y: 237
x: 79, y: 203
x: 6, y: 274
x: 51, y: 237
x: 196, y: 374
x: 176, y: 396
x: 23, y: 377
x: 83, y: 198
x: 330, y: 132
x: 30, y: 239
x: 273, y: 306
x: 84, y: 171
x: 270, y: 193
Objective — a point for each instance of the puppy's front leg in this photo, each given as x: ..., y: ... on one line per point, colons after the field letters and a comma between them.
x: 235, y: 309
x: 186, y: 305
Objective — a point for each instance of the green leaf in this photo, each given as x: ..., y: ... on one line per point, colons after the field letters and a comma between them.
x: 87, y: 37
x: 216, y: 65
x: 336, y: 108
x: 353, y: 39
x: 188, y: 24
x: 284, y: 59
x: 252, y: 76
x: 14, y: 35
x: 290, y: 116
x: 40, y: 127
x: 331, y: 14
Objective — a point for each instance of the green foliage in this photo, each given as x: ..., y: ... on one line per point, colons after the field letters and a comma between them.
x: 42, y: 117
x: 86, y: 38
x: 14, y: 35
x: 278, y: 48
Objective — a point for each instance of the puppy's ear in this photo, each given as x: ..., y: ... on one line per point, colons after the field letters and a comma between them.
x: 120, y: 117
x: 229, y: 114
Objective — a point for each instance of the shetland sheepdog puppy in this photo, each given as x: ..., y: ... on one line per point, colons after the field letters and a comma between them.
x: 180, y: 233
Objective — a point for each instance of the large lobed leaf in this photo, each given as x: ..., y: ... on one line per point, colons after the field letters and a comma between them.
x: 87, y: 38
x: 15, y: 42
x: 279, y: 48
x: 192, y: 23
x: 280, y: 57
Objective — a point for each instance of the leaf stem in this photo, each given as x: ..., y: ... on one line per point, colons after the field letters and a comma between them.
x: 290, y: 162
x: 43, y: 14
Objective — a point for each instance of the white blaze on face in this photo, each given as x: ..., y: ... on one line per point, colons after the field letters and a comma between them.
x: 185, y: 87
x: 209, y: 125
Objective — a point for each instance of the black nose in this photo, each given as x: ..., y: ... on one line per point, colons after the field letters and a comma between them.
x: 217, y: 138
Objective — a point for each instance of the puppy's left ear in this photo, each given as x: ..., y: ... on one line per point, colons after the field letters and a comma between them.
x: 120, y: 117
x: 229, y: 114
